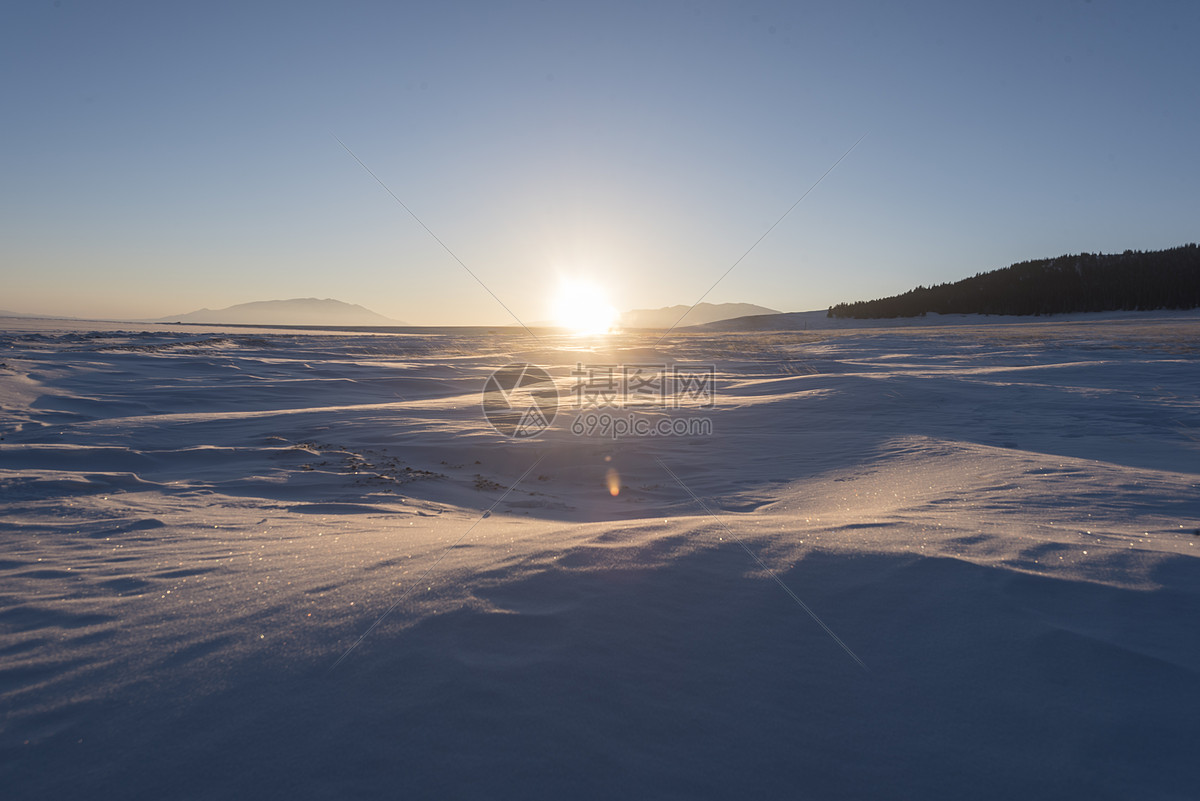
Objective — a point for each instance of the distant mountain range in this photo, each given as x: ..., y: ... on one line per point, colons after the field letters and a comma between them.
x: 699, y: 315
x: 330, y: 312
x: 26, y: 315
x: 297, y: 311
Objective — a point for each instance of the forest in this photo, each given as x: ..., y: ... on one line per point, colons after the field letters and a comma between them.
x: 1087, y: 282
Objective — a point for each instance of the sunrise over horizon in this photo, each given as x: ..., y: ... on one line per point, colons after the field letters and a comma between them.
x: 559, y: 401
x: 164, y: 159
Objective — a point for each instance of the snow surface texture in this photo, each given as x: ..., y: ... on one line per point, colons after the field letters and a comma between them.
x: 1001, y: 522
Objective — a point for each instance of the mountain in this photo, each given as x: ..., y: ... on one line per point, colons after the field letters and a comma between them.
x: 298, y: 311
x: 701, y: 314
x: 1087, y: 282
x: 28, y: 316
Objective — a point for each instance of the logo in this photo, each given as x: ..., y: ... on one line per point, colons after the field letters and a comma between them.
x: 520, y: 400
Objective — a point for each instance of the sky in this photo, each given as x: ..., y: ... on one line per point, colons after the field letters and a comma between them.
x: 157, y: 158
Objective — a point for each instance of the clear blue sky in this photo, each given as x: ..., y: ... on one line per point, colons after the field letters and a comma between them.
x: 161, y: 157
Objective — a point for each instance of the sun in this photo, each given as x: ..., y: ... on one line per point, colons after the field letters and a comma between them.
x: 583, y: 308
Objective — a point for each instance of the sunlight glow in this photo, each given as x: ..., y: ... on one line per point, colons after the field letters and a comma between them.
x: 583, y: 308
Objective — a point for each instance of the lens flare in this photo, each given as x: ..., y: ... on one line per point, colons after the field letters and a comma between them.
x: 613, y: 479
